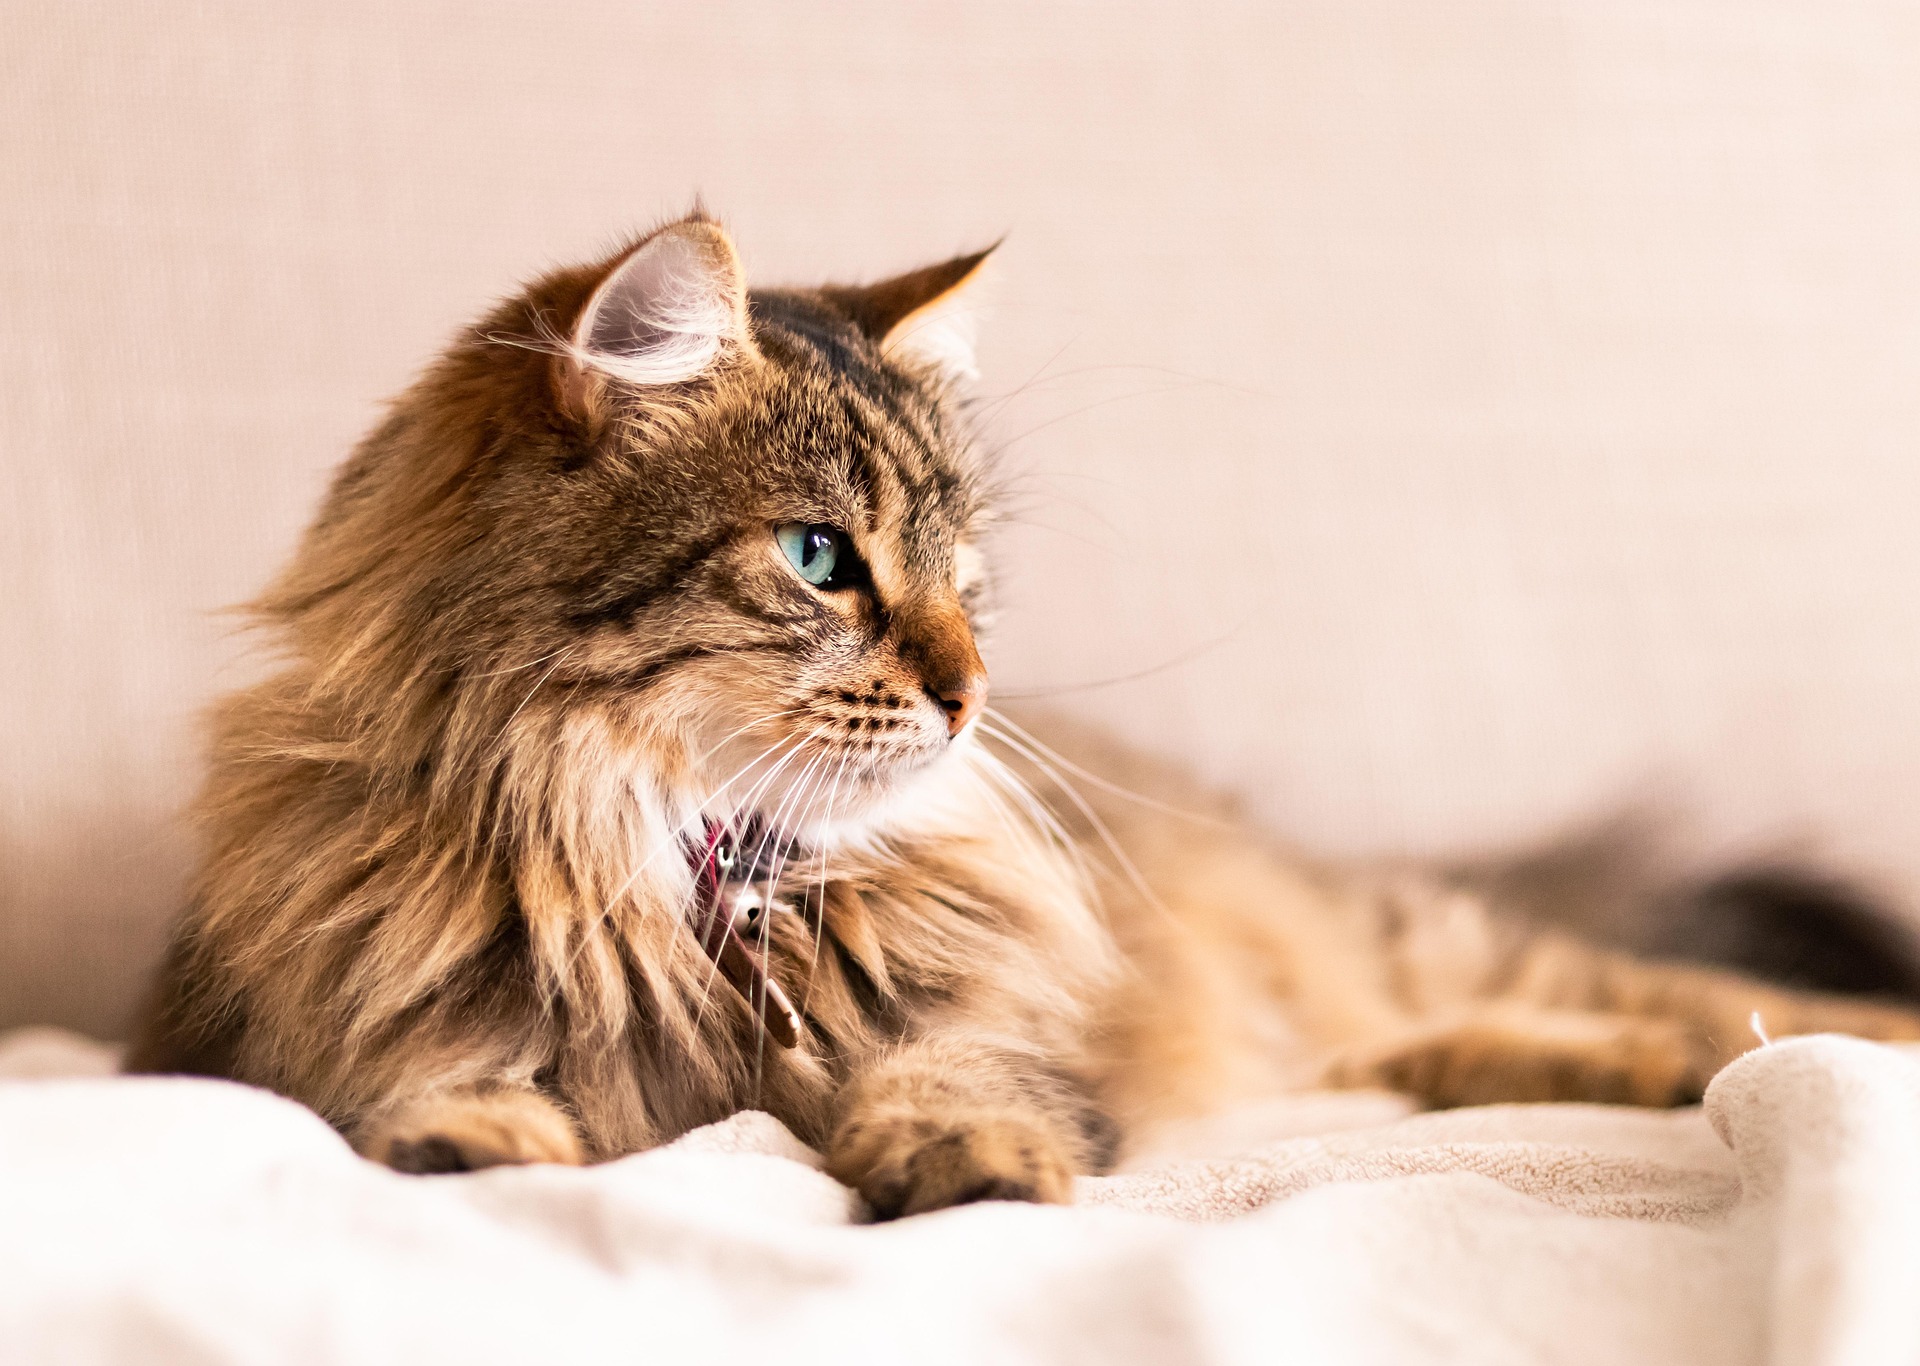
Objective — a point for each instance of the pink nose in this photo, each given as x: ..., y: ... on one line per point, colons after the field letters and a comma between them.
x: 961, y: 701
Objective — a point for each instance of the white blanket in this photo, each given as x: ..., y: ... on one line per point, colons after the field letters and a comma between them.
x: 170, y: 1221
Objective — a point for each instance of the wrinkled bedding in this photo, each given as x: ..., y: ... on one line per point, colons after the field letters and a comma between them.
x: 175, y: 1221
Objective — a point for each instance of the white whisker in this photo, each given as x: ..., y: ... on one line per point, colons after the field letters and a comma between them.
x: 776, y: 868
x: 1100, y: 827
x: 541, y: 683
x: 713, y: 967
x: 820, y: 918
x: 1152, y: 804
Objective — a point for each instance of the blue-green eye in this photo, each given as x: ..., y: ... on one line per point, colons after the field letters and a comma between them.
x: 819, y: 554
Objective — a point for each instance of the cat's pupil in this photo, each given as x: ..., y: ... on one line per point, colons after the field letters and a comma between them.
x: 818, y: 543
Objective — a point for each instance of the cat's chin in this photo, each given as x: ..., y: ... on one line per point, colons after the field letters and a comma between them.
x: 904, y: 794
x: 925, y: 798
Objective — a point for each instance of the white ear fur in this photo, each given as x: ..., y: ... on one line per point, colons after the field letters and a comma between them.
x: 667, y: 312
x: 941, y: 333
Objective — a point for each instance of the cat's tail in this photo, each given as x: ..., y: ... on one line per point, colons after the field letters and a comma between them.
x: 1781, y: 920
x: 1797, y: 926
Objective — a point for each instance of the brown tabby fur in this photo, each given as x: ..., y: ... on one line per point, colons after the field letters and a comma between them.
x: 542, y: 619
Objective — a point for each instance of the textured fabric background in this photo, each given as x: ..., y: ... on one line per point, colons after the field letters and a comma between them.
x: 1455, y: 417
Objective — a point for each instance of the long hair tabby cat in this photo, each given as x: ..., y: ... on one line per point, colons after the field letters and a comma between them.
x: 625, y: 769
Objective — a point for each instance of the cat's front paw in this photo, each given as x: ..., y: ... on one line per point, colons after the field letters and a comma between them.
x: 465, y: 1132
x: 910, y: 1161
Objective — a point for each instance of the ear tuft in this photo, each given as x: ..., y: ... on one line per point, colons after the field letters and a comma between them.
x: 668, y: 311
x: 942, y: 336
x: 926, y: 319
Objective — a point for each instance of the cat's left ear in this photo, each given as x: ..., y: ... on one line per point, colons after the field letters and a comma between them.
x: 926, y: 319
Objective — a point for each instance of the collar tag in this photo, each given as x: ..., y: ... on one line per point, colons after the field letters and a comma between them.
x: 727, y: 898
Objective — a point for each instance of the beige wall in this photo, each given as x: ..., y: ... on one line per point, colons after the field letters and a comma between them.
x: 1481, y: 410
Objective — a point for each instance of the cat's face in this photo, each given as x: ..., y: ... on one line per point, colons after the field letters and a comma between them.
x: 807, y: 570
x: 738, y: 554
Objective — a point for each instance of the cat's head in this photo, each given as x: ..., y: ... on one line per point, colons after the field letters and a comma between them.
x: 720, y: 545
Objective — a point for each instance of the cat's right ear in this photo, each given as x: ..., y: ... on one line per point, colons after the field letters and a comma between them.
x: 671, y: 310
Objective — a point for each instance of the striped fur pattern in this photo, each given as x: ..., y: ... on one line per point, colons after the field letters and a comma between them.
x: 543, y: 631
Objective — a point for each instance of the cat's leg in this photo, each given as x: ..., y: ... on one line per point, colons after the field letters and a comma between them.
x: 946, y: 1121
x: 1719, y: 1008
x: 467, y: 1128
x: 1575, y: 1022
x: 1516, y: 1054
x: 456, y: 1093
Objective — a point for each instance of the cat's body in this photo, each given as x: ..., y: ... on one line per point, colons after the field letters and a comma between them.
x: 1253, y: 971
x: 644, y: 570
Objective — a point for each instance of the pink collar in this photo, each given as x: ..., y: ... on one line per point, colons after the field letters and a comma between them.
x: 717, y: 927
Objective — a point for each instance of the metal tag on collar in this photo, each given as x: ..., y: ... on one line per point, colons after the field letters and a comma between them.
x: 718, y: 932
